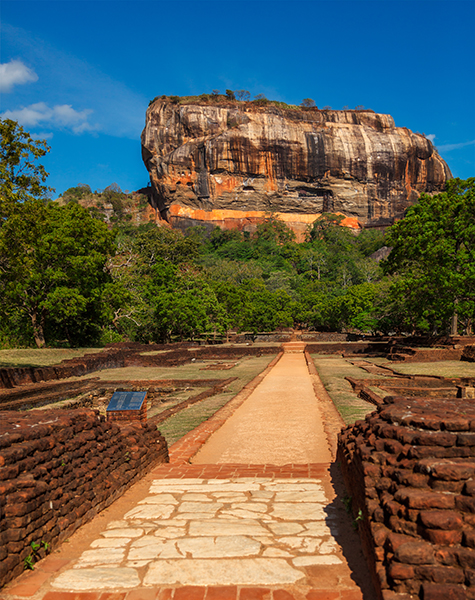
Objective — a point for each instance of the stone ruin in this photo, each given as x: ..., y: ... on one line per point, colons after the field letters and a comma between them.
x: 410, y: 467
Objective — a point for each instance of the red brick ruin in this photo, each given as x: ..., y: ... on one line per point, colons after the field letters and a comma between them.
x: 409, y: 466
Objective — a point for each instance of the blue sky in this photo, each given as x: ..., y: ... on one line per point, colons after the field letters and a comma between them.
x: 81, y: 73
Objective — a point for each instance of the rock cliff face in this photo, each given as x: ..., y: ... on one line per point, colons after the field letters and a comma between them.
x: 229, y: 165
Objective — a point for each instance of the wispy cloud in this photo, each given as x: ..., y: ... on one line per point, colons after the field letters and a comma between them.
x: 43, y: 135
x: 431, y: 137
x: 15, y: 73
x: 61, y: 116
x: 448, y: 147
x: 65, y: 80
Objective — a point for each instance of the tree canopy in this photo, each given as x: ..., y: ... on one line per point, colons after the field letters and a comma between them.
x: 434, y: 257
x: 70, y: 273
x: 21, y: 177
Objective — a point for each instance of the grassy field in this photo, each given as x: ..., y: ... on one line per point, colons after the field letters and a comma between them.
x: 177, y: 426
x: 194, y: 370
x: 332, y: 370
x: 444, y: 368
x: 44, y: 357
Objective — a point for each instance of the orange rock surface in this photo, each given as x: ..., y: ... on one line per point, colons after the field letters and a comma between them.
x: 230, y: 164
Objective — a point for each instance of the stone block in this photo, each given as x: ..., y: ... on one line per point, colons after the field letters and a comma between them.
x: 441, y: 519
x: 447, y: 486
x: 441, y: 591
x: 415, y: 553
x: 469, y: 539
x: 402, y: 526
x: 446, y: 556
x: 465, y: 503
x: 438, y: 438
x: 438, y: 574
x: 466, y: 557
x: 423, y: 500
x: 443, y: 538
x: 394, y: 540
x: 401, y: 571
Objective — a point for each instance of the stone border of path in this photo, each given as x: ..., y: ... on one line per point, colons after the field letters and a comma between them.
x: 333, y: 422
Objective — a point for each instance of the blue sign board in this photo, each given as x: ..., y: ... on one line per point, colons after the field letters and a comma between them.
x: 126, y: 401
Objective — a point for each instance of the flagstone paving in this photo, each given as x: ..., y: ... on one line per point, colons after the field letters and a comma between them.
x: 212, y: 532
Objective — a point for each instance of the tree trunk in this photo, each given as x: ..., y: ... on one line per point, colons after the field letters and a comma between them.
x: 38, y: 328
x: 454, y: 319
x: 469, y: 327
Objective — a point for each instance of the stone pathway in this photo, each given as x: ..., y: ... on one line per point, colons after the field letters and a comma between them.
x: 280, y: 423
x: 225, y: 531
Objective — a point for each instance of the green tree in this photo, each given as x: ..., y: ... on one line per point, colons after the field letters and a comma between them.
x: 434, y: 255
x: 242, y: 95
x: 21, y: 177
x: 53, y: 269
x: 357, y: 307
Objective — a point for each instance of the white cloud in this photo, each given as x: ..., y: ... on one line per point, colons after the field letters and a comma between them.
x: 15, y: 73
x: 63, y: 116
x: 68, y: 80
x: 448, y: 147
x: 431, y: 137
x: 44, y: 135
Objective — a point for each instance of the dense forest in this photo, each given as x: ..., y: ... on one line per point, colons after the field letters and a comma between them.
x: 73, y: 274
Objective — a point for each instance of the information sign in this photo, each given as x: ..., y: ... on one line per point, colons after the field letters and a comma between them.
x: 126, y: 401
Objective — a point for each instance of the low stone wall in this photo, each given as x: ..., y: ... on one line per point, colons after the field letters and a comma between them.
x: 407, y: 354
x: 74, y: 367
x: 468, y: 353
x: 58, y: 469
x: 113, y: 358
x: 410, y: 471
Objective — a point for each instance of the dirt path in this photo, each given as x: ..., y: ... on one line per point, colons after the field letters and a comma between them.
x: 280, y: 423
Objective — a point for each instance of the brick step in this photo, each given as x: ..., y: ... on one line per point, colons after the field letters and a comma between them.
x: 294, y: 347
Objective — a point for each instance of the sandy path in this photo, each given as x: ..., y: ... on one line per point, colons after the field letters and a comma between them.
x: 280, y: 423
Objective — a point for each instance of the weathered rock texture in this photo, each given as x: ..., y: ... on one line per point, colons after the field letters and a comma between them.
x: 58, y: 469
x: 227, y: 165
x: 410, y: 467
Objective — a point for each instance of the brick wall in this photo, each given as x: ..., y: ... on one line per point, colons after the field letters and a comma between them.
x: 75, y: 367
x: 469, y: 353
x: 410, y: 470
x: 58, y: 469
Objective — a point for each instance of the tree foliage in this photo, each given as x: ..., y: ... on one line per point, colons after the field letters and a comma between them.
x: 66, y: 276
x: 434, y: 256
x: 52, y: 261
x: 21, y: 177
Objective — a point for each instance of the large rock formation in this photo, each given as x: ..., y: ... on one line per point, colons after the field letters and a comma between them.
x: 229, y: 164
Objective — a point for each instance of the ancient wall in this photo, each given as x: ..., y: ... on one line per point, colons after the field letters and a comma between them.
x: 469, y: 353
x: 75, y: 367
x: 410, y: 471
x: 58, y: 469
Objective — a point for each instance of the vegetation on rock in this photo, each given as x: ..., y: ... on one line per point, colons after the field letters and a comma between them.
x: 72, y: 274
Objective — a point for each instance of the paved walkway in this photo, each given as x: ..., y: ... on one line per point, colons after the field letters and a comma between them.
x: 280, y: 423
x: 230, y: 528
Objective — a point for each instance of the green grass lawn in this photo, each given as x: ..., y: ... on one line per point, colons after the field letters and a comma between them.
x: 444, y: 368
x: 178, y: 425
x: 44, y: 357
x: 332, y: 370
